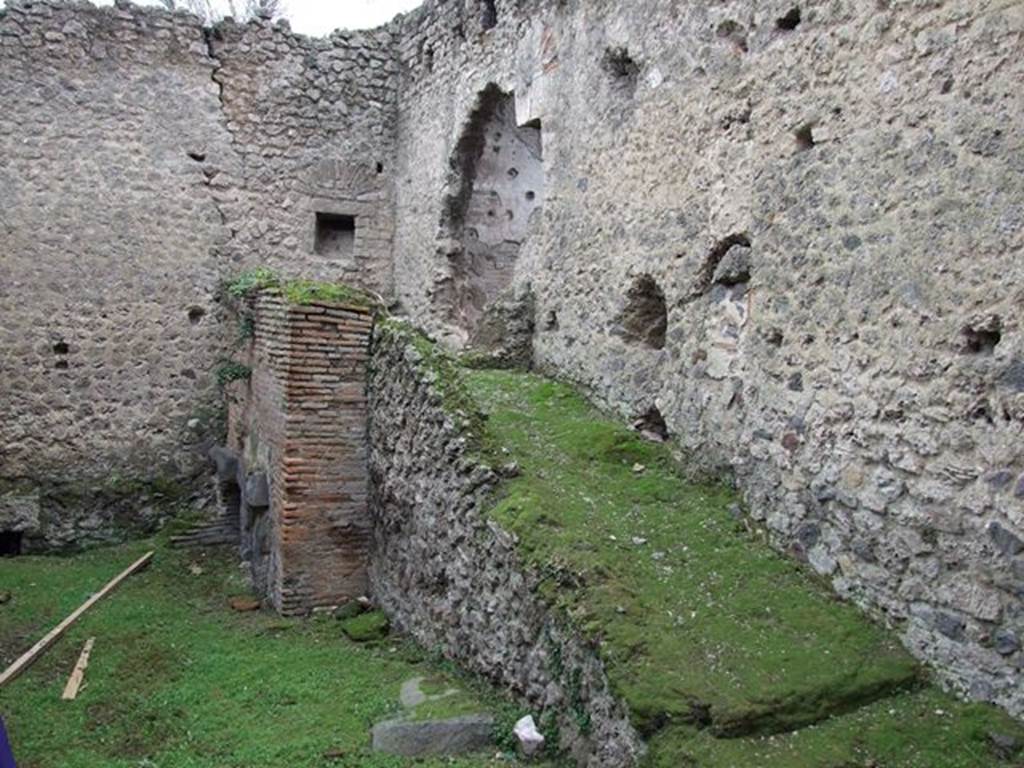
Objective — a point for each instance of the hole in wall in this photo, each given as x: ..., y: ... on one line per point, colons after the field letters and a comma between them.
x: 651, y: 425
x: 790, y: 21
x: 60, y: 348
x: 981, y: 336
x: 335, y: 235
x: 196, y: 314
x: 551, y: 321
x: 488, y: 14
x: 734, y: 33
x: 231, y: 499
x: 645, y: 317
x: 715, y: 257
x: 10, y: 543
x: 197, y: 156
x: 495, y: 186
x: 623, y: 68
x: 380, y: 167
x: 980, y: 411
x: 804, y: 136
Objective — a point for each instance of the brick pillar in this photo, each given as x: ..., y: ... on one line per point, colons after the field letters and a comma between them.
x: 306, y: 428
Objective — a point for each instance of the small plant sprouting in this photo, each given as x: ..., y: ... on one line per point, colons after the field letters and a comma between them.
x: 296, y: 291
x: 229, y: 371
x: 246, y: 329
x: 252, y: 281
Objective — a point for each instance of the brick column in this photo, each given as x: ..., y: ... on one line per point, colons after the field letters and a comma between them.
x: 305, y: 426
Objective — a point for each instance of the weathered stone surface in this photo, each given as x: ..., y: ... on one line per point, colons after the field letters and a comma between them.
x: 735, y: 266
x: 1006, y: 542
x: 226, y: 463
x: 257, y: 490
x: 873, y: 356
x: 19, y: 511
x: 144, y: 162
x: 454, y: 580
x: 871, y: 348
x: 503, y: 336
x: 457, y: 736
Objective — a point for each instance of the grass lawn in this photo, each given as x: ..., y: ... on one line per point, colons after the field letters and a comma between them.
x: 179, y: 680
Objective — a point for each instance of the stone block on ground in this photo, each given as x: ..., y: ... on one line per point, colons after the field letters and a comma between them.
x: 366, y: 627
x: 455, y: 736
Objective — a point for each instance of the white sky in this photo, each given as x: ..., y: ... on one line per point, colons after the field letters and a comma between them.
x: 321, y: 17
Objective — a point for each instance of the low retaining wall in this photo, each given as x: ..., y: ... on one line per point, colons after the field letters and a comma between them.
x: 451, y: 578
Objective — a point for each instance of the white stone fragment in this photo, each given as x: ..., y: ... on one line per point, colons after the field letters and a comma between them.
x: 531, y: 741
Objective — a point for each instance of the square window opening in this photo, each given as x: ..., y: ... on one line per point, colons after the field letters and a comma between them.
x: 335, y: 235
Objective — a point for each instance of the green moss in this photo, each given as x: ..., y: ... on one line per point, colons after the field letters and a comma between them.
x: 713, y: 640
x: 252, y: 281
x: 446, y: 699
x: 230, y: 371
x: 926, y: 729
x: 310, y: 292
x: 212, y: 420
x: 443, y: 371
x: 372, y: 625
x: 246, y: 329
x: 699, y: 623
x: 179, y: 680
x: 297, y: 291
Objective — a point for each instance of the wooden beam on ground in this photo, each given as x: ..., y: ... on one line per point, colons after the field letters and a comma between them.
x: 78, y: 673
x: 55, y: 634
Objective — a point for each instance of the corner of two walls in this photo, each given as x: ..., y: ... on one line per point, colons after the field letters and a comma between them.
x: 297, y: 445
x: 147, y: 160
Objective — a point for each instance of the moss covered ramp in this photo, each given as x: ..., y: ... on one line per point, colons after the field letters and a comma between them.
x: 726, y: 653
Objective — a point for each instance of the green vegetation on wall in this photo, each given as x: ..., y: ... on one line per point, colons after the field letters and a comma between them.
x: 296, y: 290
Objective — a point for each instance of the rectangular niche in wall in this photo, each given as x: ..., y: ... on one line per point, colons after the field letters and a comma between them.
x: 335, y: 235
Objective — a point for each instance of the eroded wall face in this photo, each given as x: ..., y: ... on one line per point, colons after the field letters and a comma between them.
x: 453, y: 579
x: 495, y: 194
x: 145, y: 161
x: 829, y: 204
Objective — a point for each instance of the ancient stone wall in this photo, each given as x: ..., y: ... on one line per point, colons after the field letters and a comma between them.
x: 793, y: 232
x: 451, y: 578
x: 297, y: 442
x: 146, y: 160
x: 107, y: 273
x: 312, y: 123
x: 787, y: 233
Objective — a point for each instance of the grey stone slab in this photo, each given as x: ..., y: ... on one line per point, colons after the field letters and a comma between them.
x: 457, y: 736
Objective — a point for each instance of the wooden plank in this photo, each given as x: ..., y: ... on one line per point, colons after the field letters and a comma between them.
x: 55, y: 634
x: 78, y: 673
